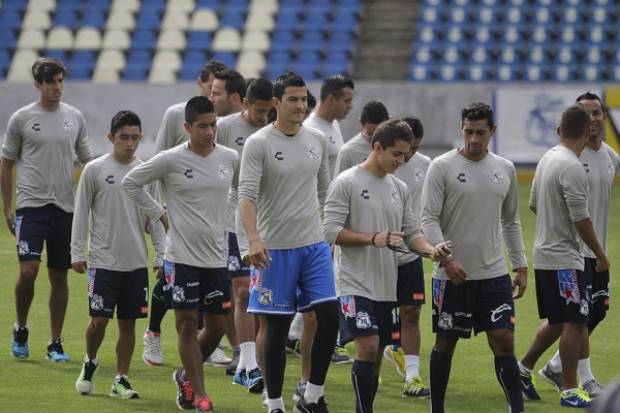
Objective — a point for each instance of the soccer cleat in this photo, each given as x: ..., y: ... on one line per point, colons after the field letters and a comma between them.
x: 551, y: 377
x: 578, y: 398
x: 230, y: 370
x: 219, y: 359
x: 528, y: 386
x: 592, y: 387
x: 292, y: 347
x: 151, y: 354
x: 121, y: 388
x: 340, y: 356
x: 204, y: 405
x: 416, y: 388
x: 185, y: 392
x: 56, y: 353
x: 300, y: 390
x: 19, y: 348
x: 304, y: 407
x: 84, y: 383
x: 397, y: 358
x: 240, y: 377
x: 254, y: 381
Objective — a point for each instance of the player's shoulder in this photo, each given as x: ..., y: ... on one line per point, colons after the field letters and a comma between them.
x: 348, y: 175
x: 351, y: 143
x: 228, y: 120
x: 611, y: 152
x: 259, y: 137
x: 96, y: 164
x: 423, y: 159
x: 67, y: 108
x: 227, y: 152
x: 397, y: 182
x: 506, y: 163
x: 175, y: 110
x: 25, y: 111
x: 445, y: 158
x: 313, y: 131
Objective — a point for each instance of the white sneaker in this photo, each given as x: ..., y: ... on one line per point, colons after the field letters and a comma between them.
x: 218, y: 359
x: 152, y: 354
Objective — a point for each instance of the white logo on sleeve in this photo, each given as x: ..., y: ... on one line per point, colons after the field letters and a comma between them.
x: 496, y: 314
x: 419, y: 175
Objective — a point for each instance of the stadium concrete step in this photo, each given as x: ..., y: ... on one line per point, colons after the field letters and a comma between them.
x: 384, y: 40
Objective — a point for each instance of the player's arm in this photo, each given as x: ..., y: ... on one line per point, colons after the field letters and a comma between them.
x: 84, y: 197
x: 513, y: 235
x: 532, y: 200
x: 157, y: 232
x: 135, y: 181
x: 324, y: 177
x: 250, y: 177
x: 11, y: 149
x: 83, y: 150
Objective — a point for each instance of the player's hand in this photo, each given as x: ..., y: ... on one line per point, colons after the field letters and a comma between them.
x: 602, y: 264
x: 455, y: 271
x: 79, y: 266
x: 159, y: 272
x: 519, y: 283
x: 10, y: 220
x: 382, y: 239
x: 164, y: 220
x: 259, y: 256
x: 441, y: 251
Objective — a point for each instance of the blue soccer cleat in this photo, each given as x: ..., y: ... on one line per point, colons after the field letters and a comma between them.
x: 19, y: 347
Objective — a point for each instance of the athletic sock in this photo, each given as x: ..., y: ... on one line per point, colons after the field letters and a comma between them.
x: 412, y: 366
x: 507, y: 372
x: 363, y: 379
x: 297, y: 326
x: 273, y: 404
x: 584, y: 370
x: 439, y: 373
x: 158, y: 307
x: 555, y: 364
x: 313, y: 392
x: 523, y: 369
x: 247, y: 357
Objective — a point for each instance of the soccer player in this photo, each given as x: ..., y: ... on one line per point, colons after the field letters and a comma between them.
x: 559, y: 198
x: 41, y: 139
x: 195, y: 179
x: 470, y: 196
x: 117, y: 257
x: 410, y: 287
x: 171, y: 133
x: 232, y: 131
x: 601, y: 163
x: 284, y: 177
x: 227, y: 92
x: 357, y: 148
x: 335, y: 102
x: 368, y: 209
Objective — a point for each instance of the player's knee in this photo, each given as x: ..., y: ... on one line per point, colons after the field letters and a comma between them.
x: 595, y: 318
x: 445, y: 345
x: 410, y: 315
x: 327, y: 316
x: 187, y: 325
x: 216, y: 324
x: 242, y: 295
x: 99, y: 323
x: 28, y: 271
x: 367, y: 348
x: 502, y: 343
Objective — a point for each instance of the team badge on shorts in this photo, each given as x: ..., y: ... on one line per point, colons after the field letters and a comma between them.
x: 362, y: 320
x: 23, y: 248
x: 584, y: 308
x: 256, y: 278
x: 178, y: 294
x: 96, y: 302
x: 265, y: 296
x: 439, y: 287
x: 569, y: 286
x: 445, y: 321
x: 91, y: 281
x: 169, y: 272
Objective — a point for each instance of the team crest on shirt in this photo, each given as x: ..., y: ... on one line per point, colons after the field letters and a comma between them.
x: 314, y: 153
x: 67, y: 125
x: 418, y: 175
x: 96, y: 303
x: 362, y: 320
x: 224, y: 171
x: 178, y: 294
x: 498, y: 178
x: 395, y: 197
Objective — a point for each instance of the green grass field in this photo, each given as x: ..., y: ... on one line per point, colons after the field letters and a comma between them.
x: 36, y: 385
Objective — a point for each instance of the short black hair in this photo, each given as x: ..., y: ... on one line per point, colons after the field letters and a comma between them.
x: 286, y: 80
x: 591, y: 96
x: 124, y: 118
x: 390, y: 131
x: 197, y: 106
x: 261, y: 89
x: 311, y: 101
x: 575, y: 121
x: 416, y: 126
x: 374, y: 112
x: 211, y: 68
x: 44, y: 69
x: 272, y: 115
x: 333, y: 85
x: 477, y: 111
x: 235, y: 83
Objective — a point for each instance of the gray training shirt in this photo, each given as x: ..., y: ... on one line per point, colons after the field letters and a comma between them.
x: 413, y: 173
x: 333, y: 137
x: 196, y: 191
x: 42, y: 144
x: 560, y: 195
x: 476, y: 206
x: 354, y: 152
x: 171, y: 131
x: 363, y: 202
x: 601, y: 167
x: 286, y: 177
x: 116, y: 222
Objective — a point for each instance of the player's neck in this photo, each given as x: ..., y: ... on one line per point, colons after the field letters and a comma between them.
x: 371, y: 165
x: 595, y: 143
x: 471, y: 157
x: 122, y: 159
x: 200, y: 149
x: 323, y: 113
x: 287, y: 128
x: 572, y: 145
x: 246, y: 119
x: 49, y: 105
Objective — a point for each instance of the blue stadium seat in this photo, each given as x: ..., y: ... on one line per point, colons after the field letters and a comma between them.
x: 199, y: 40
x: 10, y: 19
x: 316, y: 20
x: 308, y: 58
x: 68, y: 5
x: 144, y: 39
x: 307, y: 72
x: 344, y: 23
x: 340, y: 42
x: 233, y: 19
x: 273, y: 71
x: 5, y: 59
x: 56, y: 54
x: 234, y: 6
x: 101, y: 5
x: 194, y: 58
x: 229, y: 59
x: 208, y: 4
x: 67, y: 18
x: 311, y: 41
x: 139, y: 59
x: 8, y: 39
x: 334, y: 68
x: 135, y: 74
x: 287, y: 20
x: 148, y: 19
x: 153, y: 5
x: 279, y: 57
x: 188, y: 73
x: 14, y: 5
x: 83, y: 59
x: 94, y: 18
x: 337, y: 57
x: 80, y: 72
x: 283, y: 40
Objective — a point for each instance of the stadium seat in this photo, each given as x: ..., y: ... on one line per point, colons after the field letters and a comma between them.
x: 174, y: 19
x: 10, y: 19
x: 144, y: 39
x: 148, y: 19
x: 199, y: 40
x: 260, y: 20
x: 31, y: 39
x: 267, y: 6
x: 116, y: 39
x: 111, y: 59
x: 128, y: 5
x: 158, y: 6
x: 42, y: 5
x: 36, y: 20
x: 283, y: 40
x: 8, y: 40
x: 232, y: 20
x: 162, y: 76
x: 60, y: 38
x: 208, y: 4
x: 185, y: 6
x: 66, y: 18
x: 54, y: 54
x: 93, y: 18
x: 14, y: 5
x: 255, y: 40
x: 203, y: 19
x: 20, y: 69
x: 121, y: 20
x: 139, y: 59
x: 311, y: 41
x: 226, y: 39
x: 227, y: 58
x: 106, y: 76
x: 133, y: 74
x: 167, y: 59
x: 88, y: 38
x: 171, y: 40
x: 251, y: 63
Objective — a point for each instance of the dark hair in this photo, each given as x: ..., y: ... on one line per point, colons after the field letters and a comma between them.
x: 44, y: 69
x: 477, y: 111
x: 261, y: 89
x: 124, y: 118
x: 575, y: 121
x: 272, y: 115
x: 235, y: 83
x: 197, y: 106
x: 211, y: 68
x: 333, y: 85
x: 311, y: 101
x: 591, y: 96
x: 285, y: 80
x: 390, y: 131
x: 416, y: 126
x: 374, y: 112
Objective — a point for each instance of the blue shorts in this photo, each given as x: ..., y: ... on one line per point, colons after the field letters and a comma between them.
x: 297, y: 279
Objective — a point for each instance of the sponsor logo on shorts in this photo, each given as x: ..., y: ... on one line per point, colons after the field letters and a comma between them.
x: 169, y: 272
x: 569, y: 286
x: 362, y: 320
x: 178, y: 294
x: 497, y: 313
x: 265, y: 296
x: 96, y: 302
x: 445, y: 321
x: 226, y: 305
x: 314, y: 153
x: 23, y: 248
x: 418, y: 296
x: 212, y: 296
x: 256, y: 278
x: 395, y: 335
x: 347, y: 304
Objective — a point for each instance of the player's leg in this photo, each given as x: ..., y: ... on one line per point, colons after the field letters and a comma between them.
x: 364, y: 373
x: 308, y: 332
x: 152, y: 354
